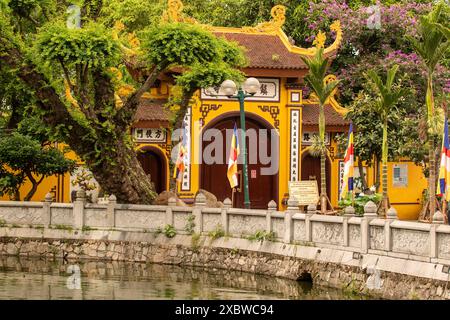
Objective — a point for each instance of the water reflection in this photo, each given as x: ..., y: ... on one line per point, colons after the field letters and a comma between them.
x: 26, y: 278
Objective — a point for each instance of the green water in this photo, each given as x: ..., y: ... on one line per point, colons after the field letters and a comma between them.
x: 56, y: 279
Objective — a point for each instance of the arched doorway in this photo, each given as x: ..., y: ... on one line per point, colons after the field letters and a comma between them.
x: 213, y: 175
x: 311, y: 170
x: 153, y: 162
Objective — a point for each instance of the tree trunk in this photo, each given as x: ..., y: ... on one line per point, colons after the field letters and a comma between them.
x: 432, y: 178
x: 323, y: 184
x: 362, y: 176
x: 377, y: 173
x: 385, y: 190
x: 431, y: 151
x: 385, y: 168
x: 32, y: 191
x: 16, y: 196
x: 124, y: 177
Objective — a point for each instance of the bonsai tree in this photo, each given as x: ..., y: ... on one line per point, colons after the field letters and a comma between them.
x: 318, y: 66
x: 24, y: 159
x: 432, y: 46
x: 388, y: 96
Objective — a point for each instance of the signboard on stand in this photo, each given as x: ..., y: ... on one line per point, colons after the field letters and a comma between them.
x: 304, y: 192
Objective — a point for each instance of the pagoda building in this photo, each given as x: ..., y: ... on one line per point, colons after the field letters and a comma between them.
x: 284, y: 107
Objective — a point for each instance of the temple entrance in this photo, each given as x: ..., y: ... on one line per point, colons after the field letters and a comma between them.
x: 213, y: 177
x: 311, y: 170
x: 153, y: 163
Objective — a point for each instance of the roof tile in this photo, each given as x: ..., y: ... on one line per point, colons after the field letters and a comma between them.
x: 151, y: 110
x: 310, y: 116
x: 262, y: 48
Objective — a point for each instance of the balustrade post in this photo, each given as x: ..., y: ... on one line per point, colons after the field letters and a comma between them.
x: 311, y: 210
x: 46, y: 210
x: 78, y: 209
x: 111, y: 211
x: 224, y: 214
x: 271, y: 208
x: 288, y: 227
x: 171, y: 203
x: 199, y: 204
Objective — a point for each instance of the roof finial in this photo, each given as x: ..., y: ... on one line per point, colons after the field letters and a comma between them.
x: 278, y: 14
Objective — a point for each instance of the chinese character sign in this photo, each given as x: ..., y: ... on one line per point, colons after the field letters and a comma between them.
x: 150, y: 134
x: 269, y: 90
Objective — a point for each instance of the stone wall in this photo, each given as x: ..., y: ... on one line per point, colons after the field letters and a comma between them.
x: 327, y: 267
x: 403, y: 248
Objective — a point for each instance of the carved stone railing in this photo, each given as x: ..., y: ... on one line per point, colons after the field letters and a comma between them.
x: 367, y: 234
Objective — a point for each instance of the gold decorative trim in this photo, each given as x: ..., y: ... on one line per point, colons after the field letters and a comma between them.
x: 272, y: 27
x: 274, y: 112
x: 278, y: 14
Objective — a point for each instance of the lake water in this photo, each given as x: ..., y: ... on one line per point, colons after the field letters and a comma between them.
x: 56, y: 279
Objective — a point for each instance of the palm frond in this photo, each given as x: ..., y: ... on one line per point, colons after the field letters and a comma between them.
x: 445, y: 30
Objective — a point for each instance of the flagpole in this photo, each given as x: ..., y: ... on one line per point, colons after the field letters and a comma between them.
x: 232, y: 197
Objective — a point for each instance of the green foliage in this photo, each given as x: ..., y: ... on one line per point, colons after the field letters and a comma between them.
x: 22, y: 158
x: 207, y: 75
x: 388, y: 97
x: 190, y: 224
x: 318, y: 66
x: 404, y: 126
x: 169, y: 231
x: 431, y: 45
x: 195, y: 241
x: 262, y: 235
x: 92, y: 45
x: 2, y: 223
x: 62, y: 227
x: 179, y: 44
x: 217, y: 233
x: 134, y: 14
x: 360, y: 202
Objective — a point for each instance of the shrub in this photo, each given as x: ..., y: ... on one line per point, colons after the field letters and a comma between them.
x: 261, y: 235
x: 217, y: 232
x: 360, y: 202
x: 169, y: 231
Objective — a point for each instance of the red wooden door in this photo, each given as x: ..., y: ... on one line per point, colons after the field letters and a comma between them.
x: 262, y: 188
x: 153, y: 164
x: 311, y: 171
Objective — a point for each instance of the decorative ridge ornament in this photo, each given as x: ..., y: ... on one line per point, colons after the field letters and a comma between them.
x: 278, y: 14
x: 336, y: 27
x: 320, y: 39
x: 272, y: 27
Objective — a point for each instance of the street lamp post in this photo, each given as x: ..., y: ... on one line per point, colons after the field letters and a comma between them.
x: 248, y: 89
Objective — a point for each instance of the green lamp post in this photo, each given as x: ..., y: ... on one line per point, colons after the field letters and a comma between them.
x: 248, y: 89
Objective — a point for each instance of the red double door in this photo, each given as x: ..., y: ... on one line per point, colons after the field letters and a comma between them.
x: 213, y: 176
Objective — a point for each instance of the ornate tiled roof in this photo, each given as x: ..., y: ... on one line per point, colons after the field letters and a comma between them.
x: 265, y: 51
x: 152, y: 111
x: 310, y: 116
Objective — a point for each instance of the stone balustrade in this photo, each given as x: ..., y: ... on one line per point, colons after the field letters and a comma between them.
x: 368, y: 234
